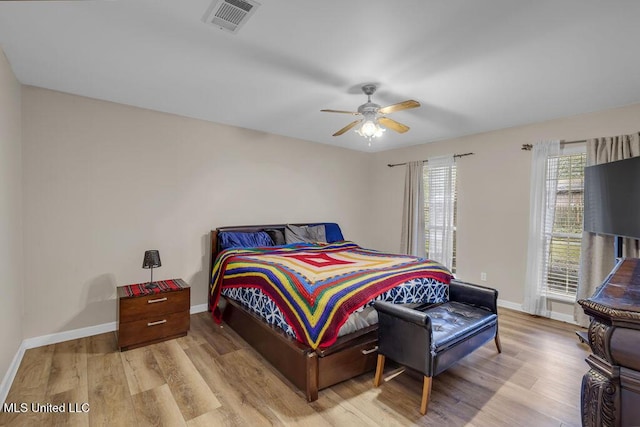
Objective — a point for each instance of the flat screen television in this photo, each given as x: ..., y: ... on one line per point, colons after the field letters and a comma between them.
x: 612, y: 198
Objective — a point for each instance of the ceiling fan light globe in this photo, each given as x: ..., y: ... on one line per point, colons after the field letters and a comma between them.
x: 369, y: 129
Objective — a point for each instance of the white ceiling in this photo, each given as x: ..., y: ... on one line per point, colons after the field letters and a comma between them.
x: 473, y: 65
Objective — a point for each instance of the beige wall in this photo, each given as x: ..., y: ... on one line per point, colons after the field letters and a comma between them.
x: 493, y: 198
x: 11, y: 257
x: 104, y: 182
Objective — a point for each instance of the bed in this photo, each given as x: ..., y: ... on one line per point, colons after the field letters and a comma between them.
x: 314, y: 342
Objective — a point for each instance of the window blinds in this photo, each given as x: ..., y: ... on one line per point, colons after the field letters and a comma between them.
x: 440, y: 207
x: 564, y: 252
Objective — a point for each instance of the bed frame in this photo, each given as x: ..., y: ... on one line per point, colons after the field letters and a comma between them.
x: 309, y: 370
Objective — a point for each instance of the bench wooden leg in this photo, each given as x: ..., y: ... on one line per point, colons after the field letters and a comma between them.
x: 498, y: 345
x: 379, y: 370
x: 426, y: 393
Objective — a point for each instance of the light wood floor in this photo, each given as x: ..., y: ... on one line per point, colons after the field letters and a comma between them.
x: 211, y: 377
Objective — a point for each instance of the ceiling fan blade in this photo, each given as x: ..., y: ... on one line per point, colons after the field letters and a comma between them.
x: 347, y: 127
x: 355, y: 113
x: 393, y: 125
x: 405, y: 105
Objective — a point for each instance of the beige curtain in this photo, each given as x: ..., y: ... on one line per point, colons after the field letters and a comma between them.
x: 412, y: 241
x: 597, y: 256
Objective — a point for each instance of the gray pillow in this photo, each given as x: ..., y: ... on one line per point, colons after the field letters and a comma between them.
x: 305, y: 233
x: 277, y: 236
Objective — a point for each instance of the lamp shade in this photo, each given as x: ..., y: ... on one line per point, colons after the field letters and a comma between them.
x: 370, y: 128
x: 151, y: 259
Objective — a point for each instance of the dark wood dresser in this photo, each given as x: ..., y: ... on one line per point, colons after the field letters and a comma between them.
x: 611, y: 389
x: 154, y: 317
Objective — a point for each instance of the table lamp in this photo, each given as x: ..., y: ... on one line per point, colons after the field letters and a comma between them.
x: 151, y: 260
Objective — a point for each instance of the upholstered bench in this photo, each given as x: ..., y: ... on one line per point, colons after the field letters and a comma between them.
x: 431, y: 338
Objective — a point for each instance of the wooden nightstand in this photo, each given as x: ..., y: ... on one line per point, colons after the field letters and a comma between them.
x: 153, y: 317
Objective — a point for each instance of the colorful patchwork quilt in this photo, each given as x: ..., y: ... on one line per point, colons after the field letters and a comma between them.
x: 317, y: 286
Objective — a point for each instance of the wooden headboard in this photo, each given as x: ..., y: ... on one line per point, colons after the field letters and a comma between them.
x: 215, y: 242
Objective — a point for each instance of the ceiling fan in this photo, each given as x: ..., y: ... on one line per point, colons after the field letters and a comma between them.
x: 373, y: 115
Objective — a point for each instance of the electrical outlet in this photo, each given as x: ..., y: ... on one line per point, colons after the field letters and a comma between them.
x: 483, y: 276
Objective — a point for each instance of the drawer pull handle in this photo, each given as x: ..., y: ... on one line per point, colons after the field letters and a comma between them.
x: 159, y: 322
x: 374, y: 349
x: 151, y: 301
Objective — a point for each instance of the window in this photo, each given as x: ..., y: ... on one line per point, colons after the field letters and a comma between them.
x: 564, y: 249
x: 440, y: 194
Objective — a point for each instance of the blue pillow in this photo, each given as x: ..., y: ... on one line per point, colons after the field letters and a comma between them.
x: 332, y: 232
x: 237, y: 239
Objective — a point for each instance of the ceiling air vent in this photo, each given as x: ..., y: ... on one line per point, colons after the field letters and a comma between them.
x: 230, y: 15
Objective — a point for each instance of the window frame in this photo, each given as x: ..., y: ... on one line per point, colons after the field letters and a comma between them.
x: 425, y: 180
x: 551, y: 293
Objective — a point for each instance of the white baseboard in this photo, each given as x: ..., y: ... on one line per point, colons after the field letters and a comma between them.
x: 11, y: 373
x: 198, y: 308
x: 68, y: 335
x: 46, y: 340
x: 61, y: 337
x: 566, y: 318
x: 509, y: 304
x: 562, y: 317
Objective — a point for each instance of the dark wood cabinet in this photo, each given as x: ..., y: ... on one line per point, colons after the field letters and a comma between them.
x: 150, y: 318
x: 611, y: 389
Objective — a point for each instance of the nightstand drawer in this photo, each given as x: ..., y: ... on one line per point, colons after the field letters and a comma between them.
x: 149, y: 306
x: 151, y: 328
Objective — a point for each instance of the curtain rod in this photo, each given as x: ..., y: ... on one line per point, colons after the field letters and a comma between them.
x: 454, y: 156
x: 529, y: 147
